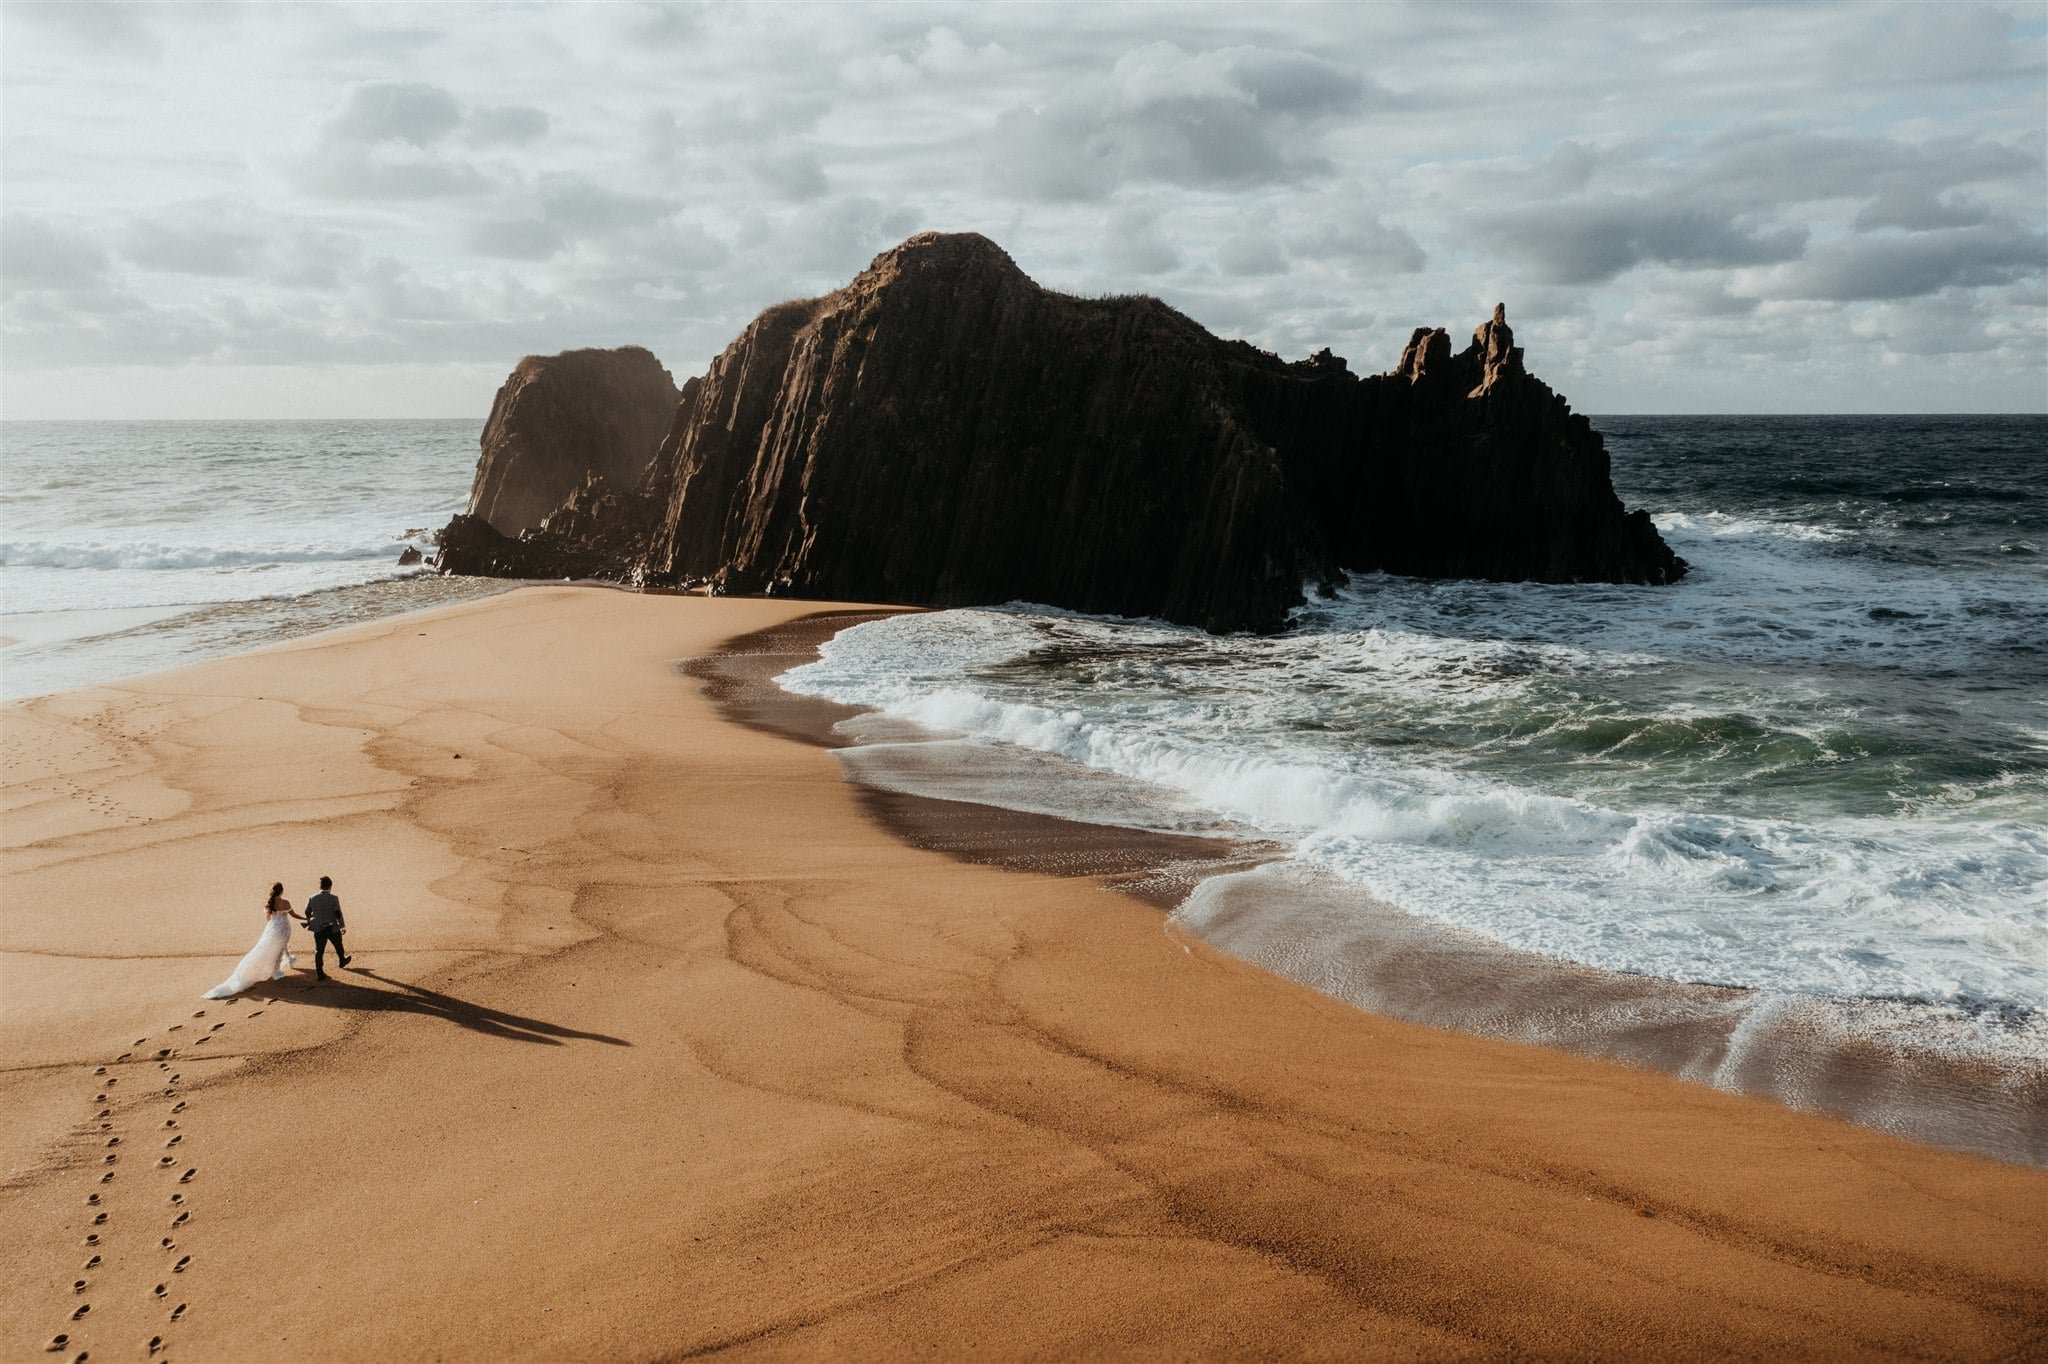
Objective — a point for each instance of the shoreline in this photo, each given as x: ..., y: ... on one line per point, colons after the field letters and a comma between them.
x: 670, y: 1048
x: 76, y: 649
x: 1158, y: 868
x: 1400, y: 964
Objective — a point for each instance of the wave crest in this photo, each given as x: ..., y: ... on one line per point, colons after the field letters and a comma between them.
x: 155, y: 555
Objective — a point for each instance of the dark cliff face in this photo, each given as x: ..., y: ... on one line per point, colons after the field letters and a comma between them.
x: 1466, y: 466
x: 943, y: 431
x: 559, y: 419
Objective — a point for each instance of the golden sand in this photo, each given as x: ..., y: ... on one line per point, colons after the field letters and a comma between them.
x: 658, y: 1046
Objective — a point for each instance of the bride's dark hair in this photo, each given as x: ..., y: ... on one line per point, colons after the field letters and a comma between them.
x: 276, y: 894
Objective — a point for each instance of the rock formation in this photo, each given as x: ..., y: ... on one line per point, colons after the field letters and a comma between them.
x: 943, y: 431
x: 561, y: 418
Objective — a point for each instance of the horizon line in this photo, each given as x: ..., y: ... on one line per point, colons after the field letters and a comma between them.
x: 1591, y: 416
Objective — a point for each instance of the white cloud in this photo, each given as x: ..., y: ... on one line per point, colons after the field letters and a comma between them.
x: 507, y: 124
x: 38, y: 254
x: 1251, y: 253
x: 790, y: 172
x: 1940, y: 44
x: 1134, y: 242
x: 1906, y: 265
x: 383, y: 141
x: 946, y: 53
x: 395, y: 111
x: 1839, y: 187
x: 1233, y: 118
x: 1350, y: 232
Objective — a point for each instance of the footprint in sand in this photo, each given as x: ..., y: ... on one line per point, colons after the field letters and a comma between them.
x: 155, y: 1343
x: 170, y: 1122
x: 184, y: 1261
x: 57, y: 1342
x: 178, y: 1311
x: 168, y: 1244
x: 175, y: 1140
x: 111, y: 1159
x: 200, y: 1014
x: 177, y: 1198
x: 100, y: 1070
x: 166, y: 1160
x: 93, y: 1263
x: 179, y: 1108
x: 181, y: 1219
x: 83, y: 1308
x: 92, y: 1238
x: 186, y: 1178
x: 162, y: 1052
x: 113, y: 1141
x: 99, y: 1098
x: 78, y: 1287
x: 256, y: 1013
x: 176, y: 1078
x: 160, y: 1290
x: 175, y: 1027
x: 100, y: 1220
x: 107, y: 1178
x: 201, y: 1041
x: 92, y: 1200
x: 126, y: 1054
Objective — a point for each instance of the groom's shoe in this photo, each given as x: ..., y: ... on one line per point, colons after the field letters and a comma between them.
x: 319, y: 975
x: 346, y: 960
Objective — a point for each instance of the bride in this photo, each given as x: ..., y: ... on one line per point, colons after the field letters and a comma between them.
x: 267, y: 960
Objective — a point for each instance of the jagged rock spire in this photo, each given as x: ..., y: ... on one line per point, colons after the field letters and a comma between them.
x: 944, y: 431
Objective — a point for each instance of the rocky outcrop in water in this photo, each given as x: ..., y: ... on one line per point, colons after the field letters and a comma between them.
x: 943, y: 431
x: 559, y: 419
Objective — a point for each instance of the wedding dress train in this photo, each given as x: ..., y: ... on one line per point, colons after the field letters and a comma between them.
x: 267, y: 960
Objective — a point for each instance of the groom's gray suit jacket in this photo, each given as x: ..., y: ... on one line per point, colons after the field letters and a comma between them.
x: 323, y: 911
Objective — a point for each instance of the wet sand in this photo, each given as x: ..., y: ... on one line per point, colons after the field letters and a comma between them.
x: 1245, y: 895
x: 659, y: 1044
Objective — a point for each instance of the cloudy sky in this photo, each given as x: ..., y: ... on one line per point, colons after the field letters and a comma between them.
x: 374, y: 211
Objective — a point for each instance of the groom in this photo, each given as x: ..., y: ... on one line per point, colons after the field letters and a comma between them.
x: 323, y: 916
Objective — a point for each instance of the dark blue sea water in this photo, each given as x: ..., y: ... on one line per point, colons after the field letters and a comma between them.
x: 1816, y: 769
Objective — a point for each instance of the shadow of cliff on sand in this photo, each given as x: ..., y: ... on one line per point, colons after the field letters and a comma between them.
x: 338, y: 992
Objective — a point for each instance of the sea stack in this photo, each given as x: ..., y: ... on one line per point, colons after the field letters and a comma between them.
x: 558, y: 420
x: 943, y: 431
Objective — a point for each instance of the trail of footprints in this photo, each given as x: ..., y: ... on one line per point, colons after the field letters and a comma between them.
x: 148, y: 1203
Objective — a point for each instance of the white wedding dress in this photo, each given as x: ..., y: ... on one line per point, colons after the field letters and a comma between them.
x: 267, y: 960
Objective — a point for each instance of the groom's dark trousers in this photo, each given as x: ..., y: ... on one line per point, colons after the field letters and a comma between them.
x: 322, y: 937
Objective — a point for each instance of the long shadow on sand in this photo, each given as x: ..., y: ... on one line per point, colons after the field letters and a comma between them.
x: 400, y: 998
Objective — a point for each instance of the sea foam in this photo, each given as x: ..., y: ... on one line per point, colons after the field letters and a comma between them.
x: 1685, y: 783
x: 150, y: 555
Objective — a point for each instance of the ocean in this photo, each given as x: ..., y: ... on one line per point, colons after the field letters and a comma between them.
x: 1810, y: 780
x: 129, y: 547
x: 1799, y: 800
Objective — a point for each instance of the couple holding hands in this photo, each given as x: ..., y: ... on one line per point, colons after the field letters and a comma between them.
x: 269, y: 959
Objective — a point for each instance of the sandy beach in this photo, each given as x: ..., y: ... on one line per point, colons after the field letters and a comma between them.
x: 658, y: 1044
